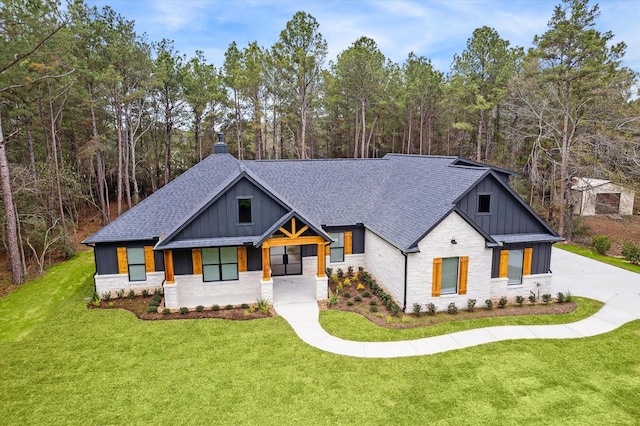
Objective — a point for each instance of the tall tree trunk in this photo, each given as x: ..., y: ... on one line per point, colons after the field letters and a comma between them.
x: 32, y: 155
x: 118, y: 117
x: 364, y: 129
x: 565, y: 185
x: 479, y: 143
x: 167, y: 143
x: 100, y: 169
x: 56, y: 163
x: 17, y: 272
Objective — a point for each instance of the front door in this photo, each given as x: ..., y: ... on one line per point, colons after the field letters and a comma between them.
x: 286, y: 260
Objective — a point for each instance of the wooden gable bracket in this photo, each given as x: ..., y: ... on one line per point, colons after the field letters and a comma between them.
x: 293, y: 233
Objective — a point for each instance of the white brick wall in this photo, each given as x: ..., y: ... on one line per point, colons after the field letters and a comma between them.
x: 386, y: 264
x: 438, y: 244
x: 114, y: 282
x: 191, y: 291
x: 539, y: 284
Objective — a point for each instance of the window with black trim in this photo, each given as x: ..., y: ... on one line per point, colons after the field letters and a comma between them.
x: 136, y: 264
x: 449, y: 281
x: 244, y: 210
x: 337, y: 247
x: 484, y: 203
x: 219, y: 264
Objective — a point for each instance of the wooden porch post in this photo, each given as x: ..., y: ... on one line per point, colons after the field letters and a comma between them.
x: 168, y: 267
x: 321, y: 260
x: 266, y: 266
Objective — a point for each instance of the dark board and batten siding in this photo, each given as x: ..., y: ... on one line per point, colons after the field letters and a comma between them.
x: 106, y: 256
x: 357, y: 240
x: 540, y: 258
x: 221, y: 218
x: 506, y: 215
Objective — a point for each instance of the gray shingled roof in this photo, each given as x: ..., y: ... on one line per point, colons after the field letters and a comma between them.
x: 399, y: 197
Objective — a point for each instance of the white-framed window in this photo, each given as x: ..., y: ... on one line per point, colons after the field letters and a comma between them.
x: 514, y: 267
x: 449, y: 283
x: 136, y: 264
x: 336, y: 249
x: 219, y: 264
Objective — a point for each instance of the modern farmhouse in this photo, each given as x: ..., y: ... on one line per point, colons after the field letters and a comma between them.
x: 428, y: 228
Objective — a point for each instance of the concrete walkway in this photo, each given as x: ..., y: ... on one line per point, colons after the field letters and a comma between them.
x: 619, y: 289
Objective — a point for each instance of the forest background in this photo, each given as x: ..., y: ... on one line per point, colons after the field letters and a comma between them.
x: 95, y: 117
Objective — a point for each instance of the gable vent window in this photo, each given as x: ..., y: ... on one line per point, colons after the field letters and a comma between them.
x: 244, y: 210
x: 484, y: 203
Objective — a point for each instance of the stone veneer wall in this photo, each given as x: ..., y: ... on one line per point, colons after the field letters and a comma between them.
x: 190, y: 291
x: 385, y: 263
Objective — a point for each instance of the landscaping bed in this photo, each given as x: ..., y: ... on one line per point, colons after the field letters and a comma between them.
x: 359, y: 293
x: 139, y: 306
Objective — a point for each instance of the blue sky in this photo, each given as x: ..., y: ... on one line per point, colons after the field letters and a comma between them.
x: 432, y: 28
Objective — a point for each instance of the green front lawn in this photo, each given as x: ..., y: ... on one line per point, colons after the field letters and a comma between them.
x: 591, y: 254
x: 64, y: 364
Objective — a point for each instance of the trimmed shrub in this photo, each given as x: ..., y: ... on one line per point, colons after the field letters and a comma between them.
x: 152, y: 309
x: 358, y: 299
x: 347, y: 295
x: 393, y: 308
x: 452, y: 309
x: 366, y: 294
x: 154, y: 303
x: 471, y: 305
x: 184, y: 310
x: 156, y: 298
x: 145, y: 293
x: 417, y: 308
x: 340, y: 273
x: 631, y: 252
x: 350, y: 271
x: 157, y: 291
x: 199, y: 308
x: 132, y: 294
x: 373, y: 302
x: 244, y: 306
x: 519, y: 300
x: 502, y: 302
x: 228, y: 307
x: 215, y: 308
x: 601, y: 244
x: 373, y: 309
x: 360, y: 270
x: 431, y: 309
x: 489, y: 304
x: 166, y: 311
x: 546, y: 298
x: 349, y: 303
x: 329, y: 271
x: 532, y: 299
x: 561, y: 297
x: 120, y: 293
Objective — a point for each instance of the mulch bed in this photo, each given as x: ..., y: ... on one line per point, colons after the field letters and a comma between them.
x: 138, y: 306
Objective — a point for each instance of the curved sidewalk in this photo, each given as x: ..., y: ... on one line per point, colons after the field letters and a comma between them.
x: 619, y: 289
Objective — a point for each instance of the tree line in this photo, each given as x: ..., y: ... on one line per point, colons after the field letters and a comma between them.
x: 93, y: 114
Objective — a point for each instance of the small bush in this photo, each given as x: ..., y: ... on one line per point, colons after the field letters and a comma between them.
x: 519, y: 300
x: 489, y: 304
x: 120, y: 293
x: 349, y: 303
x: 532, y: 299
x: 546, y: 298
x: 350, y: 271
x: 366, y: 294
x: 95, y: 299
x: 601, y: 243
x: 334, y: 279
x: 347, y: 295
x: 502, y: 303
x: 471, y: 305
x: 199, y: 308
x: 340, y: 273
x: 157, y: 291
x: 360, y: 287
x: 166, y: 311
x: 228, y: 307
x: 252, y: 309
x: 157, y: 298
x: 393, y: 308
x: 106, y: 296
x: 360, y: 270
x: 245, y: 313
x: 373, y: 309
x: 417, y: 308
x: 145, y: 293
x: 452, y: 309
x: 631, y: 252
x: 568, y: 298
x: 152, y: 309
x: 329, y: 271
x: 184, y: 310
x: 339, y: 288
x: 132, y: 294
x: 431, y: 309
x: 244, y: 306
x: 333, y: 299
x: 263, y: 306
x: 215, y: 308
x: 154, y: 303
x: 561, y: 297
x: 358, y: 299
x: 373, y: 302
x: 388, y: 319
x: 404, y: 319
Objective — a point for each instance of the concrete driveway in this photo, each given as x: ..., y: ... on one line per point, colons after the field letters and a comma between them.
x: 617, y: 288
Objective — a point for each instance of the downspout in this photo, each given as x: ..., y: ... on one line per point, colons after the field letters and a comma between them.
x: 406, y: 261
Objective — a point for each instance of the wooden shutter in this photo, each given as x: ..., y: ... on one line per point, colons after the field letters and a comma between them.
x: 436, y: 280
x: 504, y: 263
x: 327, y: 248
x: 123, y: 265
x: 348, y: 242
x: 462, y: 275
x: 196, y: 259
x: 149, y: 261
x: 242, y: 259
x: 526, y: 265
